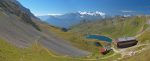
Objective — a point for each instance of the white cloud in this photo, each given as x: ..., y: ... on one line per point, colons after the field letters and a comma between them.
x: 127, y: 11
x: 92, y: 13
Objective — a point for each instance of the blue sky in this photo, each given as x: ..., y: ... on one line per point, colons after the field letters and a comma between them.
x: 111, y: 7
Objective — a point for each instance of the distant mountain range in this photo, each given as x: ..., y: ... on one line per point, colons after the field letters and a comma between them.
x: 70, y: 19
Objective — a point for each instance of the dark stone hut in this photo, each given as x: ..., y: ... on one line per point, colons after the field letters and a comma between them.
x: 126, y: 42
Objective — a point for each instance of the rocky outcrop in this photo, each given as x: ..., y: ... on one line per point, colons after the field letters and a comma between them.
x: 14, y: 7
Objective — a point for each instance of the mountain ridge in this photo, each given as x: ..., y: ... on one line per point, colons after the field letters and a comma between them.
x: 69, y: 19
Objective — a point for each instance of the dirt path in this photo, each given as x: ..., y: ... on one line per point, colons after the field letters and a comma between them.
x: 130, y: 51
x: 142, y: 31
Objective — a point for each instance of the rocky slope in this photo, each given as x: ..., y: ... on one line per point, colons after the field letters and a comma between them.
x: 14, y: 7
x: 21, y: 28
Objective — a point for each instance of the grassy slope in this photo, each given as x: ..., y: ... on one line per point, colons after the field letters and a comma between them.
x: 129, y: 27
x: 38, y: 53
x: 75, y: 39
x: 35, y: 53
x: 114, y: 29
x: 118, y: 28
x: 79, y: 41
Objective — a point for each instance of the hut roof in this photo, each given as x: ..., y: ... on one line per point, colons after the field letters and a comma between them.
x: 126, y: 39
x: 102, y: 49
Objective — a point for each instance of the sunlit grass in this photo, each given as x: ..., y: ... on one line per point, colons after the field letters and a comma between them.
x: 9, y: 52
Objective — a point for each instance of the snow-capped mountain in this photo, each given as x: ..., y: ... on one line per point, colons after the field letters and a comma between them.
x: 70, y: 19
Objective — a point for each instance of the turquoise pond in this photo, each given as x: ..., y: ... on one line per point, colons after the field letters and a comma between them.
x: 101, y: 38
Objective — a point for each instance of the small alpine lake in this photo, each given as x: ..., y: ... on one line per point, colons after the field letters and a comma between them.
x: 99, y: 37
